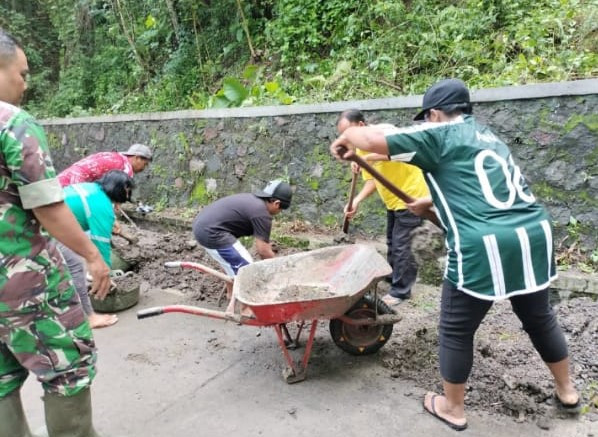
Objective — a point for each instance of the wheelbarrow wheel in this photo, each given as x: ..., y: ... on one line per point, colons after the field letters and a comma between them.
x: 362, y: 339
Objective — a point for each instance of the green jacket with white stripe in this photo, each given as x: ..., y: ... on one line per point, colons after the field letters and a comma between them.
x: 94, y: 211
x: 499, y: 238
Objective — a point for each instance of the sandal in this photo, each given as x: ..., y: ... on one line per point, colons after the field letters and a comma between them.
x: 433, y: 412
x: 391, y: 301
x: 568, y: 408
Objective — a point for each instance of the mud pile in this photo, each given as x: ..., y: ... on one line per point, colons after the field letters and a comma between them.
x: 154, y: 249
x: 508, y: 376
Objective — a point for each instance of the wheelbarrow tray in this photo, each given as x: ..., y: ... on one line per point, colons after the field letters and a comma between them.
x: 318, y: 284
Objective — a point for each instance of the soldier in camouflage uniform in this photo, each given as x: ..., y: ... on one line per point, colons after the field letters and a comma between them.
x: 42, y: 325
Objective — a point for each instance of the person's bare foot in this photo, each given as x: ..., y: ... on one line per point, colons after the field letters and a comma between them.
x: 97, y: 321
x: 435, y: 404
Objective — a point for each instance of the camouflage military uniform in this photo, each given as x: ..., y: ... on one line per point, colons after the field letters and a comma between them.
x: 42, y: 325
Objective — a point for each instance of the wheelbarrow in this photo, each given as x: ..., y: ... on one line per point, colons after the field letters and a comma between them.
x: 332, y: 283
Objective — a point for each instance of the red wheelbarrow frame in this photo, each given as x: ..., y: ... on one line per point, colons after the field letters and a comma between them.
x: 277, y: 315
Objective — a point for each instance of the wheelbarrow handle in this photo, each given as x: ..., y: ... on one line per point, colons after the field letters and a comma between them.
x: 201, y: 268
x: 172, y: 264
x: 150, y: 312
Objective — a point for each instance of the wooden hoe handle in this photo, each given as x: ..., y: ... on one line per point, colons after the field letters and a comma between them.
x: 430, y: 215
x: 351, y: 197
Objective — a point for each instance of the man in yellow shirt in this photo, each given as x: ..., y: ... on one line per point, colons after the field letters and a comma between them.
x: 400, y: 222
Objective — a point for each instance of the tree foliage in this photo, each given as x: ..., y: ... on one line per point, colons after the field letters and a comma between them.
x: 109, y: 56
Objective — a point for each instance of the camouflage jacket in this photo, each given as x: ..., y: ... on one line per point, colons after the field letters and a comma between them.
x: 27, y: 181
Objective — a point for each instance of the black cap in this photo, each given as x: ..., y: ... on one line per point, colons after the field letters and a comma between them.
x: 445, y: 92
x: 277, y: 190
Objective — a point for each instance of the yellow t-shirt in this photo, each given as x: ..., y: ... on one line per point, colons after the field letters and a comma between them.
x: 406, y: 177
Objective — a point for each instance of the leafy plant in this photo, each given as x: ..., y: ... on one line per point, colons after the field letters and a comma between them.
x: 569, y: 251
x: 114, y: 56
x: 249, y: 90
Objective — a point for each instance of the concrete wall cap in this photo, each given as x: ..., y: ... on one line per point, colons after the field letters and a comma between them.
x: 532, y: 91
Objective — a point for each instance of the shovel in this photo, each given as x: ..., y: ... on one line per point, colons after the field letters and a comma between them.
x: 125, y: 215
x: 429, y: 214
x: 351, y: 196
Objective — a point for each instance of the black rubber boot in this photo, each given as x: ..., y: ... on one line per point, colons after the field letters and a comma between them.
x: 12, y: 417
x: 69, y: 416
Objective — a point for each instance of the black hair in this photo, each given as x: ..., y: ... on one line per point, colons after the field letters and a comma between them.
x: 352, y: 116
x: 8, y: 45
x: 117, y: 185
x: 455, y: 109
x: 284, y: 204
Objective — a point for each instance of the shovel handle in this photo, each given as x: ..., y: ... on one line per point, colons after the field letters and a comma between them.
x: 125, y: 215
x: 351, y: 197
x: 430, y: 215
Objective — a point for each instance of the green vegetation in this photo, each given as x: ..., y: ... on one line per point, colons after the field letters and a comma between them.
x: 570, y: 252
x: 290, y: 241
x: 115, y: 56
x: 590, y: 121
x: 200, y: 194
x: 590, y: 392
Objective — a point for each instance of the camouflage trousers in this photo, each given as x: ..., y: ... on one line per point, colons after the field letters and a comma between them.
x: 43, y: 328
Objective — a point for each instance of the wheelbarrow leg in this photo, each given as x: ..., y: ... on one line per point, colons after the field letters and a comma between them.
x: 292, y: 343
x: 310, y: 342
x: 299, y: 329
x: 221, y: 295
x: 296, y: 372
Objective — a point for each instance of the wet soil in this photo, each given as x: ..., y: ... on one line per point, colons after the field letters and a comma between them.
x: 154, y: 249
x: 508, y: 378
x: 126, y: 283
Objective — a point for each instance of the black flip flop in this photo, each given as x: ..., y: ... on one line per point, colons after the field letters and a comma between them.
x: 568, y: 408
x: 454, y: 426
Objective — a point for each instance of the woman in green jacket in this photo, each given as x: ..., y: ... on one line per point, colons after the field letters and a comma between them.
x: 92, y: 204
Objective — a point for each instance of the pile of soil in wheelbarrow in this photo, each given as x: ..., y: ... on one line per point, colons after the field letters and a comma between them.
x: 508, y: 378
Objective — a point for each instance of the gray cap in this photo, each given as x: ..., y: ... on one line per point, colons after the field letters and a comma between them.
x: 139, y: 150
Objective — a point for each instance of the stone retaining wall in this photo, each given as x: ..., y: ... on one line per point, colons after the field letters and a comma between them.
x: 552, y: 130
